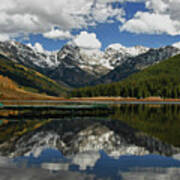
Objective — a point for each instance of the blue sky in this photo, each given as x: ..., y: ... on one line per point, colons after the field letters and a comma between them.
x: 151, y: 23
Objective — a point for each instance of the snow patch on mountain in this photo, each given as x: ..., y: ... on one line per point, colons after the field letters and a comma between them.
x: 91, y: 60
x: 27, y: 55
x: 116, y: 54
x: 132, y: 51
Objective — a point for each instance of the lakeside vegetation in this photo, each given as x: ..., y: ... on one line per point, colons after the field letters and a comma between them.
x: 159, y: 80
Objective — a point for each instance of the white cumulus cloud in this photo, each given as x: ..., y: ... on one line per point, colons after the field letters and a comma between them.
x: 177, y: 45
x: 152, y: 23
x: 58, y: 34
x: 87, y: 41
x: 163, y: 17
x: 104, y: 12
x: 39, y: 16
x: 157, y: 5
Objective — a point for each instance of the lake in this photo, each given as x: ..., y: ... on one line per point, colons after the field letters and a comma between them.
x: 125, y: 141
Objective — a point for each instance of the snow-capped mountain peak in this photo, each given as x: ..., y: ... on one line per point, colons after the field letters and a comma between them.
x: 116, y: 47
x: 116, y: 54
x: 90, y: 60
x: 28, y: 55
x: 133, y: 51
x: 93, y: 61
x: 137, y: 50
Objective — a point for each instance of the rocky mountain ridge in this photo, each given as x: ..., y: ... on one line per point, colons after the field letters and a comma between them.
x: 76, y: 67
x: 138, y: 63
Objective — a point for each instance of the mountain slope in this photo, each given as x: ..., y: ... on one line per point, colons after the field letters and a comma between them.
x: 66, y: 66
x: 29, y: 79
x: 138, y: 63
x: 68, y: 69
x: 27, y: 56
x: 161, y: 79
x: 10, y: 90
x: 71, y: 65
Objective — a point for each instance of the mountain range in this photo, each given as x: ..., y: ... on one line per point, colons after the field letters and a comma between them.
x: 135, y: 64
x: 159, y: 80
x: 73, y: 66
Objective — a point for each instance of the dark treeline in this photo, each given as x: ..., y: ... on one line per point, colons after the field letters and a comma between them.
x: 161, y: 79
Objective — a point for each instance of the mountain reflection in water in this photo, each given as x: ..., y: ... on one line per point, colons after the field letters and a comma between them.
x: 89, y: 147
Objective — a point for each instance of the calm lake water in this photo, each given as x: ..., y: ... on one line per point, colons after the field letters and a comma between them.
x: 109, y: 145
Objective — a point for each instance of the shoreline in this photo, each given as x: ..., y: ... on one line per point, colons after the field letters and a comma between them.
x: 94, y: 100
x: 49, y: 98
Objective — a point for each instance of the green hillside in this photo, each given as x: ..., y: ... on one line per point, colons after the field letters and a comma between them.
x: 161, y: 79
x: 28, y: 79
